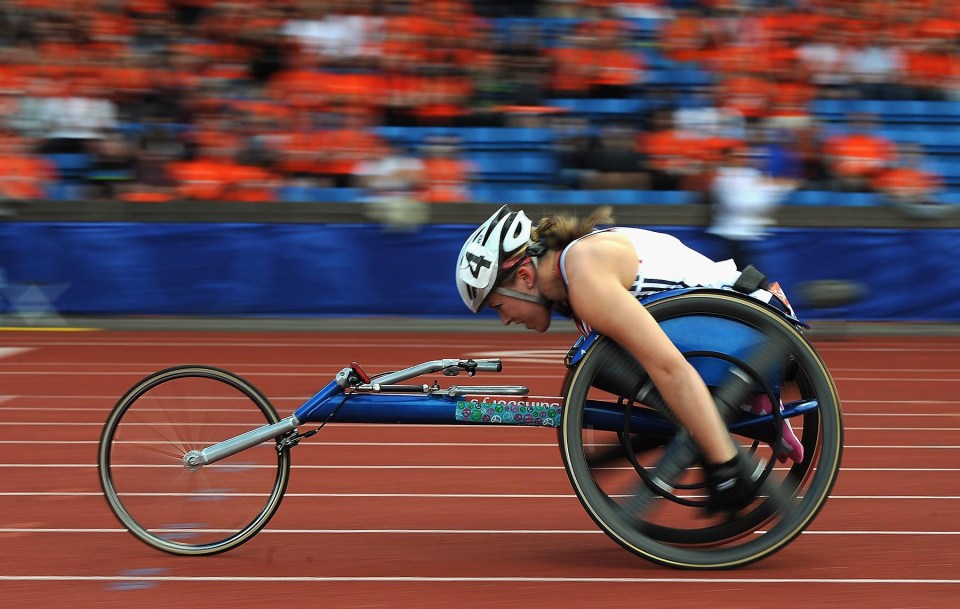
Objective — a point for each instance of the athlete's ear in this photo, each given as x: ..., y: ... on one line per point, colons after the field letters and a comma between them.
x: 526, y: 275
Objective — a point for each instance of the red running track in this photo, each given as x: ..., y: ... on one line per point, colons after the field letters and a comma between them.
x: 417, y: 516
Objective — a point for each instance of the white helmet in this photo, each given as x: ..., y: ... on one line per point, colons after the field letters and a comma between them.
x: 480, y: 264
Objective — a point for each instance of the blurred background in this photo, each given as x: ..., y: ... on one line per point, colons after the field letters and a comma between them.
x: 328, y: 158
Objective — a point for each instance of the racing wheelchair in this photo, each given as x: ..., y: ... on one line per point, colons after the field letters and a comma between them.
x: 195, y: 460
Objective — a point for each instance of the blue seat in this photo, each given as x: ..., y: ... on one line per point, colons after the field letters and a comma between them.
x: 829, y: 109
x: 601, y: 109
x: 684, y: 78
x: 951, y: 197
x: 937, y: 140
x: 71, y: 165
x: 506, y: 138
x: 313, y: 194
x: 638, y: 197
x: 889, y: 111
x: 946, y: 166
x: 552, y: 29
x: 531, y: 196
x: 65, y: 190
x: 515, y: 166
x: 857, y: 199
x: 832, y: 198
x: 809, y: 197
x: 645, y: 28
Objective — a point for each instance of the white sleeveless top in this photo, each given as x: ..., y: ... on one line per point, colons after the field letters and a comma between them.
x: 664, y: 263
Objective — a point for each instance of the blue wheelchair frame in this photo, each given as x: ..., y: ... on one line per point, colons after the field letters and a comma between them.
x: 710, y: 342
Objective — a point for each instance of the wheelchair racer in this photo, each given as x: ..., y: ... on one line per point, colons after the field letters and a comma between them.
x: 597, y: 276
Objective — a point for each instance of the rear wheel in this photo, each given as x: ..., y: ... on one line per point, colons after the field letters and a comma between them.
x: 637, y: 473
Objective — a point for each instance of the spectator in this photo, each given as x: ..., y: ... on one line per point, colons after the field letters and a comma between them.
x: 446, y: 175
x: 152, y: 181
x: 393, y: 182
x: 617, y: 69
x: 708, y: 118
x: 744, y: 201
x: 875, y: 66
x: 674, y: 160
x: 614, y: 162
x: 112, y: 166
x: 572, y: 68
x: 215, y: 173
x: 571, y: 145
x: 349, y: 141
x: 76, y: 120
x: 855, y: 157
x: 910, y: 188
x: 25, y: 176
x: 824, y: 58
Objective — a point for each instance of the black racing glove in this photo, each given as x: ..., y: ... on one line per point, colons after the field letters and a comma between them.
x: 732, y: 486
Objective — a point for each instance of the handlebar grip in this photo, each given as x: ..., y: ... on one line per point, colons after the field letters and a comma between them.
x: 489, y: 365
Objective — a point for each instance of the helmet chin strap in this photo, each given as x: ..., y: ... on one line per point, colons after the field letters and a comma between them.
x: 538, y: 298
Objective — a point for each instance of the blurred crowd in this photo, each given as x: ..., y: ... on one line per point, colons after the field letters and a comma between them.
x: 157, y: 100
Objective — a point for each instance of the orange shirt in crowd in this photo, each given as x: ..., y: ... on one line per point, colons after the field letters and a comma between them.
x: 217, y: 180
x: 932, y: 69
x: 446, y: 180
x: 748, y: 95
x: 907, y: 181
x: 667, y: 151
x: 25, y: 176
x: 572, y: 70
x: 346, y: 148
x: 859, y: 154
x: 616, y: 67
x: 148, y: 7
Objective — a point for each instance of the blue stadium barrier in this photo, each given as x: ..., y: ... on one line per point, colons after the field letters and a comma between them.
x: 161, y: 268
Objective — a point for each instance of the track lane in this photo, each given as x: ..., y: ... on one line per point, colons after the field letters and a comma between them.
x: 861, y: 547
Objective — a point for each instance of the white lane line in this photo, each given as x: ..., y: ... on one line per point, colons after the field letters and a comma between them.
x: 146, y: 371
x: 416, y: 495
x: 496, y: 444
x: 499, y: 580
x: 11, y: 351
x: 317, y: 344
x: 321, y: 443
x: 476, y: 428
x: 114, y: 397
x: 901, y: 428
x: 891, y: 349
x: 402, y: 467
x: 141, y: 372
x: 431, y: 531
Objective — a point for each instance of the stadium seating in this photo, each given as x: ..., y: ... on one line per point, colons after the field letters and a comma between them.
x: 542, y: 196
x: 311, y: 194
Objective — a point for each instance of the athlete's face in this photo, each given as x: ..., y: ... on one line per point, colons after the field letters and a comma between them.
x: 517, y: 311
